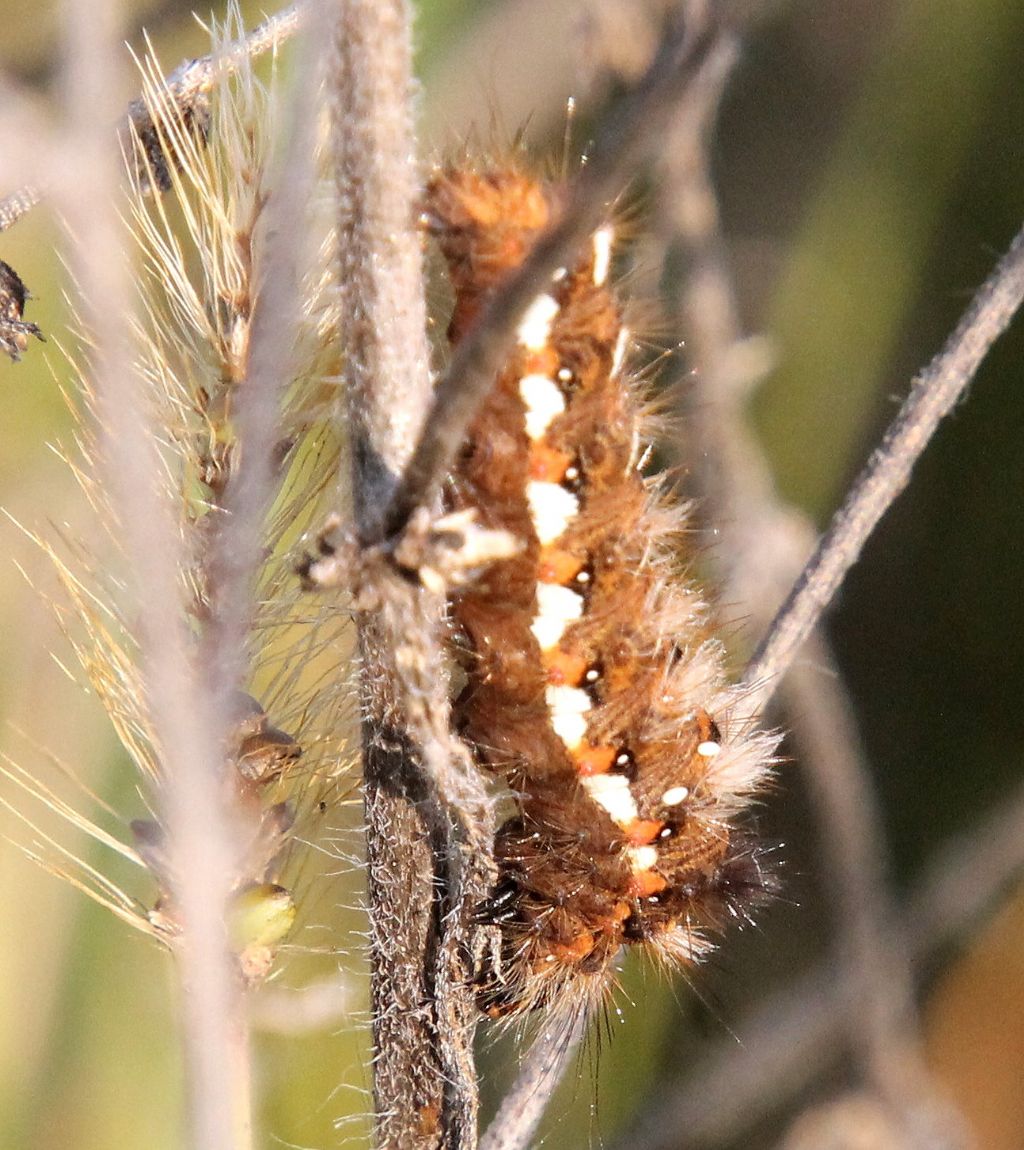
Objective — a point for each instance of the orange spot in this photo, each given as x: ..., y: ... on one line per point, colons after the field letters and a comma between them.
x: 594, y: 760
x: 574, y: 951
x: 542, y: 362
x: 645, y: 883
x: 548, y: 465
x: 564, y: 669
x: 640, y: 832
x: 559, y: 567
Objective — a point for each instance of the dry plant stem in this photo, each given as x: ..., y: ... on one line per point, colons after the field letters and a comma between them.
x: 791, y: 1038
x: 932, y: 396
x: 238, y: 544
x: 626, y: 137
x: 201, y: 846
x: 424, y: 1085
x: 523, y: 1106
x: 759, y: 554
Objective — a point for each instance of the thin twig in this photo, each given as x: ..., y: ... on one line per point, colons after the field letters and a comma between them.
x: 523, y: 1106
x: 201, y: 844
x: 933, y: 395
x: 627, y: 136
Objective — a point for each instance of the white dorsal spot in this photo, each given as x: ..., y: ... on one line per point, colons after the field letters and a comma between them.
x: 557, y: 607
x: 544, y: 403
x: 552, y: 508
x: 535, y: 327
x: 621, y: 347
x: 642, y: 858
x: 565, y: 375
x: 709, y: 749
x: 612, y: 794
x: 568, y: 707
x: 602, y: 253
x: 675, y: 795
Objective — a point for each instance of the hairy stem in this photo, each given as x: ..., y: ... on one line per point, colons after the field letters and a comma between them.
x: 424, y: 1085
x: 933, y: 395
x: 523, y: 1106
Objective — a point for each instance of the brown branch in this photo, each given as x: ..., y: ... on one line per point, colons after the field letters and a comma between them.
x: 424, y: 801
x: 933, y: 395
x: 623, y: 142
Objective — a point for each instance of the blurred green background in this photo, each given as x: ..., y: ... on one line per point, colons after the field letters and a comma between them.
x: 871, y: 167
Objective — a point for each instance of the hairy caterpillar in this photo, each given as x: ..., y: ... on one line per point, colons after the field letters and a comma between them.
x: 593, y: 680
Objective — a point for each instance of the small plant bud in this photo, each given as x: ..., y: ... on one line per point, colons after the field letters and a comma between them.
x: 263, y: 756
x: 260, y: 915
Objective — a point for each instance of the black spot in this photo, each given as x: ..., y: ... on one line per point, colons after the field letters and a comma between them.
x: 637, y: 928
x: 593, y: 677
x: 624, y: 764
x: 502, y: 905
x: 671, y: 828
x: 573, y: 479
x: 583, y: 583
x: 567, y: 379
